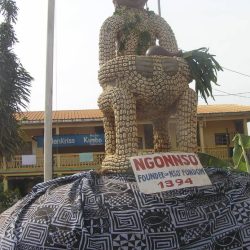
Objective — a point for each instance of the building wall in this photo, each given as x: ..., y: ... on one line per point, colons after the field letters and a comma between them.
x: 213, y: 127
x: 210, y: 129
x: 77, y: 130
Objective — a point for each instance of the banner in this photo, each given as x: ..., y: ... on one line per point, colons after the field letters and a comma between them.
x: 86, y: 157
x: 73, y: 140
x: 168, y: 171
x: 28, y: 160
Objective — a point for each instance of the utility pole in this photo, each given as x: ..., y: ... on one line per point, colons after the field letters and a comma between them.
x: 159, y: 7
x: 48, y: 167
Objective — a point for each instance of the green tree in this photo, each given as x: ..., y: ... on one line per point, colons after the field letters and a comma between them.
x: 15, y: 82
x: 9, y: 198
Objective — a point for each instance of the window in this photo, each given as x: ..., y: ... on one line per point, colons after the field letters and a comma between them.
x: 221, y: 139
x: 239, y: 126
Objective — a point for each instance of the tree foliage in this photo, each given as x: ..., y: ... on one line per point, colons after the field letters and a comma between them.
x: 241, y: 153
x: 15, y: 82
x: 9, y: 198
x: 212, y: 161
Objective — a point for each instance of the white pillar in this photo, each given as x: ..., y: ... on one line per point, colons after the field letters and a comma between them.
x: 201, y: 131
x: 48, y: 171
x: 245, y: 126
x: 5, y: 184
x: 34, y: 147
x: 4, y: 163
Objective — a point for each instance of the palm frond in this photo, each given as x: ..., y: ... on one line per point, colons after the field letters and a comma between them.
x: 204, y: 68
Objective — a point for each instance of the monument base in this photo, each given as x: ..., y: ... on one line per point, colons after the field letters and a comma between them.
x: 94, y: 211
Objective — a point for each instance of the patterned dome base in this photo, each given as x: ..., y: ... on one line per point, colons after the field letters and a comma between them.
x: 92, y: 211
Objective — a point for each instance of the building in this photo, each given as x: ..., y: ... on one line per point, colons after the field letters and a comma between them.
x: 78, y: 140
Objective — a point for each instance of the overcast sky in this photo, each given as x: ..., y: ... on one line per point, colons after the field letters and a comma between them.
x: 221, y: 25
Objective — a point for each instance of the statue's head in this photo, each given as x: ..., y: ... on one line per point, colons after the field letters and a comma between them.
x: 130, y: 3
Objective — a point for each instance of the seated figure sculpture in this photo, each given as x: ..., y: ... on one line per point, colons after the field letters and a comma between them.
x: 138, y: 86
x: 107, y: 211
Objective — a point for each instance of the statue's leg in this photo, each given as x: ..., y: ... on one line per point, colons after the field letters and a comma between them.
x: 186, y: 114
x: 104, y: 104
x: 109, y: 129
x: 123, y: 104
x: 161, y: 136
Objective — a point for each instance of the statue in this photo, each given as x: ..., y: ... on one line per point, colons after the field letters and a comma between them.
x: 138, y: 86
x: 108, y: 211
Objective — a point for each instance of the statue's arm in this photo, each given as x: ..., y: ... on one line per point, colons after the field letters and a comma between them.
x: 107, y: 40
x: 165, y: 35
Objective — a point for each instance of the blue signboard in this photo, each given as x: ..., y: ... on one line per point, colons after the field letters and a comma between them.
x: 73, y: 140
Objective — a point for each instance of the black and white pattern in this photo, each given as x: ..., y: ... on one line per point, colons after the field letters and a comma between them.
x: 103, y: 212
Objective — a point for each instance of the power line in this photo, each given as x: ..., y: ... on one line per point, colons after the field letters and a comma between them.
x: 237, y: 72
x: 232, y: 94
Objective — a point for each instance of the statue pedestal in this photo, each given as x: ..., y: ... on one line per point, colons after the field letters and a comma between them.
x: 91, y: 211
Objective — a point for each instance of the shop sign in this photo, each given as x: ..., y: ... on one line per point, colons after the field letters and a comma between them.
x: 73, y: 140
x: 168, y: 171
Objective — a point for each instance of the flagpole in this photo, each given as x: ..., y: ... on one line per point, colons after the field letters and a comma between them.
x: 159, y: 7
x: 48, y: 167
